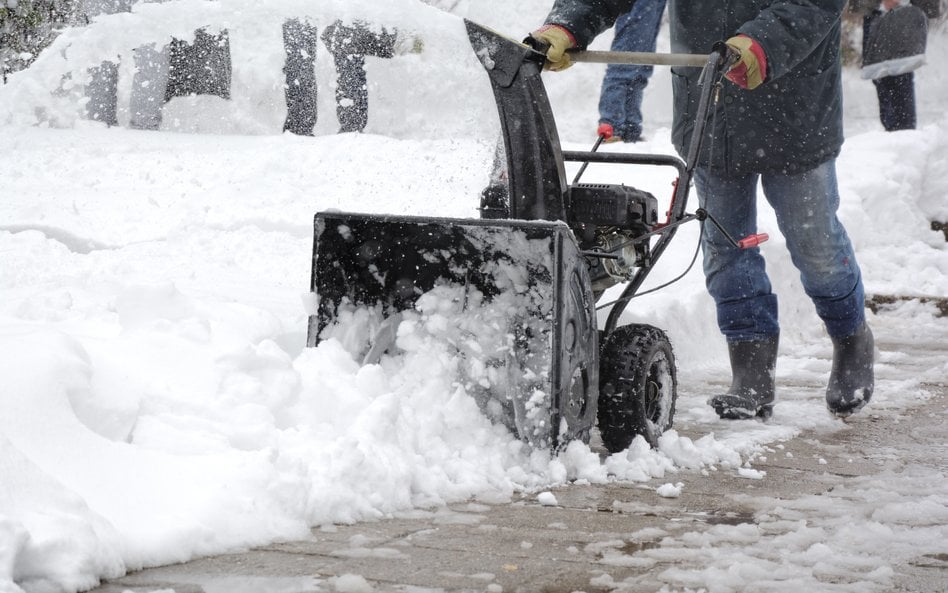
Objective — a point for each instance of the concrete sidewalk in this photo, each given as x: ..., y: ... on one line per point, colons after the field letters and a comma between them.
x: 588, y: 541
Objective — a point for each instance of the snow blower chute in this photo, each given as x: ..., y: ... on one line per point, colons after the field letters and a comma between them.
x: 526, y: 275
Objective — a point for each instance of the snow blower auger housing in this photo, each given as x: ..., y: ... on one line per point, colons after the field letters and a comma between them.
x: 522, y: 281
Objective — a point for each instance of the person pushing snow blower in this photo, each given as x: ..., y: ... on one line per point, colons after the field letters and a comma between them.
x: 780, y: 125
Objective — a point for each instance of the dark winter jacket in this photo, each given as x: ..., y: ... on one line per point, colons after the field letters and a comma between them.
x: 791, y: 123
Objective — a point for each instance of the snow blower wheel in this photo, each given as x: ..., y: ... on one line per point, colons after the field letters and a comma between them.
x: 638, y: 386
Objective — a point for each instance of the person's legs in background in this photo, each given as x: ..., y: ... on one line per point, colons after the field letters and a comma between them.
x: 620, y: 100
x: 896, y: 93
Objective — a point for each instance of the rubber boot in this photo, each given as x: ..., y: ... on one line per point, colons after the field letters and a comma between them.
x: 753, y: 381
x: 851, y: 380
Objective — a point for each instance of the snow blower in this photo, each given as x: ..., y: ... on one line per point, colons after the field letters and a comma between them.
x: 527, y: 274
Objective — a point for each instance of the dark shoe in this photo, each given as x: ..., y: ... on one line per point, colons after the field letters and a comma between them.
x: 753, y: 381
x: 852, y: 379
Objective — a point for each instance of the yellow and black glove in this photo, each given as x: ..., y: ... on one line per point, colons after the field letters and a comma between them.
x: 750, y: 68
x: 558, y: 41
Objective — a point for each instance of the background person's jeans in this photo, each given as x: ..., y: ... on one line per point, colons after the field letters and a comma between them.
x: 805, y: 205
x: 620, y: 101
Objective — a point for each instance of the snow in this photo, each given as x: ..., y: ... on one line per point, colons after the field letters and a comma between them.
x: 669, y: 490
x: 547, y: 499
x: 158, y: 403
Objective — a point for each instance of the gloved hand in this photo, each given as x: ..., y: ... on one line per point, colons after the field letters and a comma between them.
x: 559, y: 40
x: 750, y: 70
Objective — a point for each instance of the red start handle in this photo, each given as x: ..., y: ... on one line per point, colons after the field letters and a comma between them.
x: 752, y: 240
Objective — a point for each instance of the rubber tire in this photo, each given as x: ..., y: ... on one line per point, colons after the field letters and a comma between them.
x: 638, y: 386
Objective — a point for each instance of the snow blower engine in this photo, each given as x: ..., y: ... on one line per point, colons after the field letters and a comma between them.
x: 523, y: 280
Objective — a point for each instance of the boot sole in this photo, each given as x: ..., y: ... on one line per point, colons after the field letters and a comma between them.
x: 841, y: 409
x: 764, y: 412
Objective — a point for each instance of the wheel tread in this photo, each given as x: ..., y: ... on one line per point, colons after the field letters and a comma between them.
x: 626, y: 360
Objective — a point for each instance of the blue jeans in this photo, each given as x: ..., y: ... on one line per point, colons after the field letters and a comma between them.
x: 805, y: 205
x: 620, y: 101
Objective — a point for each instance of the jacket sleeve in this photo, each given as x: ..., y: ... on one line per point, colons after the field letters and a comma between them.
x: 789, y: 31
x: 586, y: 19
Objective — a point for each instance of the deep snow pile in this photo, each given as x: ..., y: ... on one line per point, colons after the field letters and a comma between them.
x: 157, y: 401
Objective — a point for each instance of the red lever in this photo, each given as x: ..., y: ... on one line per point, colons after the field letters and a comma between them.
x: 752, y: 240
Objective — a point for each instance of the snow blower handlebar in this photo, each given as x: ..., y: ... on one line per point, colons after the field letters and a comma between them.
x: 726, y: 56
x: 637, y: 58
